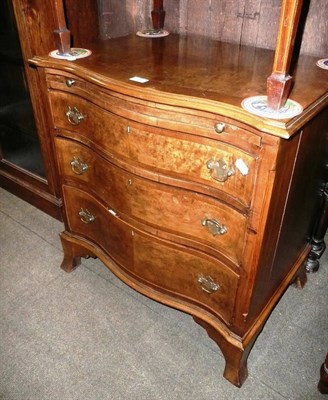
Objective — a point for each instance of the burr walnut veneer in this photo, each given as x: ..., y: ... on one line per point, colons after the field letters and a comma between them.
x: 185, y: 196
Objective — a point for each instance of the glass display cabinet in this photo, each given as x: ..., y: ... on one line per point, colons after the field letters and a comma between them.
x: 27, y: 164
x: 21, y: 157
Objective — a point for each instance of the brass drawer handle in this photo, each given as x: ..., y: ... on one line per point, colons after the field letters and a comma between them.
x: 219, y: 170
x: 86, y: 216
x: 70, y: 82
x: 74, y: 116
x: 214, y: 226
x: 207, y: 284
x: 219, y: 127
x: 78, y: 166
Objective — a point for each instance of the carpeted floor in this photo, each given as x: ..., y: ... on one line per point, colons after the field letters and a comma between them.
x: 86, y: 335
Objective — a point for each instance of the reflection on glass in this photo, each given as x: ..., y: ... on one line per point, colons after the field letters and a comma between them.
x: 19, y: 143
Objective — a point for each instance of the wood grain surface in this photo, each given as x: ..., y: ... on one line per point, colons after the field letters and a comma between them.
x: 250, y: 22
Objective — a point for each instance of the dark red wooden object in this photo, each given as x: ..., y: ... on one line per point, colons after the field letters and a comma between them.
x: 158, y: 14
x: 279, y: 82
x: 62, y: 34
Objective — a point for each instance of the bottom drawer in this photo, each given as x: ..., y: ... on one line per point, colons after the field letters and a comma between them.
x: 169, y: 268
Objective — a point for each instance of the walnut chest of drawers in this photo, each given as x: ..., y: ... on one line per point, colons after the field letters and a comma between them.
x: 185, y: 196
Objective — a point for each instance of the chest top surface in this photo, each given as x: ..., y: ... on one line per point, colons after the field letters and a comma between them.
x: 199, y: 73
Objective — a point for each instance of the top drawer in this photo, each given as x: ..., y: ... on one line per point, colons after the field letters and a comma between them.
x: 221, y: 167
x: 166, y: 116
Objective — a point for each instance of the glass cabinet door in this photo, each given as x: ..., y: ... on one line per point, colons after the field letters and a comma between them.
x: 19, y: 144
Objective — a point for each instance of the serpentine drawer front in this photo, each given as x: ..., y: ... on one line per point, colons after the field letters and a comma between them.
x: 205, y: 161
x: 191, y: 276
x: 195, y: 216
x: 180, y: 192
